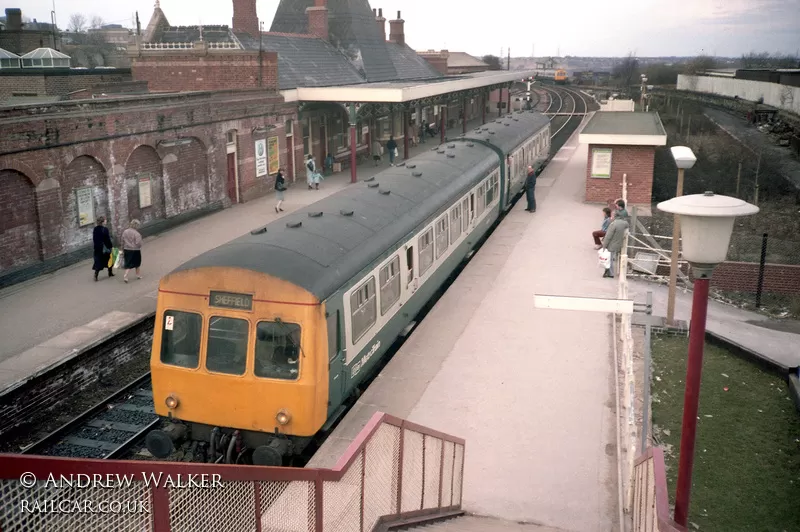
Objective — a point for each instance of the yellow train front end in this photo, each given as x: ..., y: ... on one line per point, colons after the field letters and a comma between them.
x: 239, y: 361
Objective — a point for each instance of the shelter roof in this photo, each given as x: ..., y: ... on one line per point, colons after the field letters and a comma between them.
x: 624, y: 128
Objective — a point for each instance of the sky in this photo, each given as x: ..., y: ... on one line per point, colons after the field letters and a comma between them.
x: 541, y: 28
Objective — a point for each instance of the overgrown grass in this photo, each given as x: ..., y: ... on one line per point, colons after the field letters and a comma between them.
x: 747, y: 457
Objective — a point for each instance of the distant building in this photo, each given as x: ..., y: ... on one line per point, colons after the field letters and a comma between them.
x: 453, y: 63
x: 111, y: 33
x: 20, y: 38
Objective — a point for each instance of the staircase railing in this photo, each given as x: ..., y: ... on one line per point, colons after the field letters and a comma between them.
x: 393, y: 470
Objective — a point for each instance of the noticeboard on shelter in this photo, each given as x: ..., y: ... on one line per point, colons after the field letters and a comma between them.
x: 145, y: 191
x: 601, y: 162
x: 85, y: 200
x: 274, y: 155
x: 261, y: 158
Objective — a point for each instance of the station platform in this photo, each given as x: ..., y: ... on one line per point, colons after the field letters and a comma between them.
x: 530, y: 390
x: 52, y: 318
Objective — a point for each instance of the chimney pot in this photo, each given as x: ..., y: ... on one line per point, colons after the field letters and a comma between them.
x: 398, y: 15
x: 380, y: 12
x: 375, y: 12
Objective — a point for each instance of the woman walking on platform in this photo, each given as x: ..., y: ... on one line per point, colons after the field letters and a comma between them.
x: 102, y: 248
x: 132, y: 249
x: 280, y: 186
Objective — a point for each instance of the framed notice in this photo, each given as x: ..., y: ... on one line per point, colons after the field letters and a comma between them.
x: 274, y: 153
x: 261, y: 158
x: 601, y: 162
x: 85, y: 200
x: 364, y: 130
x: 145, y: 191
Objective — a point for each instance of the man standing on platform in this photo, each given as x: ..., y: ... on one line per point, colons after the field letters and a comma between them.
x: 530, y: 187
x: 615, y: 237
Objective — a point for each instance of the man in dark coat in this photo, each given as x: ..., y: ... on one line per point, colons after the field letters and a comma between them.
x: 530, y: 187
x: 101, y: 240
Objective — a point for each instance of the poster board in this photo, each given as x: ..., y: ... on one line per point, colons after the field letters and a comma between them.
x: 145, y: 191
x: 261, y: 158
x: 601, y: 162
x: 274, y: 152
x: 85, y: 200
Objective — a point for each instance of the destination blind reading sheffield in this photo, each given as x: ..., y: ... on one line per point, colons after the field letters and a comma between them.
x: 230, y: 300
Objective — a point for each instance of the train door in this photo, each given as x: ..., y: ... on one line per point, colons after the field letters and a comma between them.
x: 411, y: 280
x: 335, y: 362
x: 469, y: 212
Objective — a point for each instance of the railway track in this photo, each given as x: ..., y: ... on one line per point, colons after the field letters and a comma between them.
x: 107, y: 430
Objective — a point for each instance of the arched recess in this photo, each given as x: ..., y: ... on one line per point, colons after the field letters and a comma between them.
x: 19, y: 222
x: 84, y: 194
x: 186, y: 175
x: 144, y: 184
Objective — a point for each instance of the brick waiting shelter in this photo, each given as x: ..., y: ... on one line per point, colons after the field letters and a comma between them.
x: 622, y: 144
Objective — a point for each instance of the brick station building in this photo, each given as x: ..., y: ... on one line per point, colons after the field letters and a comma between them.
x: 226, y: 107
x: 622, y: 148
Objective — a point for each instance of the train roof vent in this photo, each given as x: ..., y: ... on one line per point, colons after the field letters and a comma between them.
x: 417, y: 174
x: 486, y: 129
x: 516, y: 120
x: 470, y: 144
x: 477, y: 130
x: 451, y: 155
x: 367, y: 180
x: 346, y: 213
x: 498, y: 121
x: 259, y: 231
x: 451, y: 145
x: 491, y: 132
x: 434, y: 149
x: 385, y: 192
x: 374, y: 185
x: 506, y: 124
x: 317, y: 214
x: 294, y: 225
x: 440, y: 151
x: 411, y: 166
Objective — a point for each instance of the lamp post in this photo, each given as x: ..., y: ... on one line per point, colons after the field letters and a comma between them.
x: 684, y: 159
x: 707, y: 221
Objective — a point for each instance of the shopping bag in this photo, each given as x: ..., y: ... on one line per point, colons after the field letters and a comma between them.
x: 118, y: 262
x: 604, y: 258
x: 112, y: 257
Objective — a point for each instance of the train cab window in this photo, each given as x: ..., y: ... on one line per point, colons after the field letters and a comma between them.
x: 226, y: 350
x: 455, y: 223
x: 180, y: 339
x: 389, y: 278
x: 441, y: 236
x: 277, y: 350
x: 363, y: 309
x: 425, y: 251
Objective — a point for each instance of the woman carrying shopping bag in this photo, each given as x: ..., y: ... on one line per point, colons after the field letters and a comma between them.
x: 103, y: 248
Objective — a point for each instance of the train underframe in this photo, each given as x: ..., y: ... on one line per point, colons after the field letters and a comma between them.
x: 203, y: 443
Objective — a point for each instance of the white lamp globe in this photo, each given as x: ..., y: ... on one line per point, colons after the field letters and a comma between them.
x: 706, y: 224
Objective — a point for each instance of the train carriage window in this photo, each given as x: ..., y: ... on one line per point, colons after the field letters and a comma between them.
x: 180, y: 339
x: 465, y: 215
x: 278, y: 350
x: 410, y: 264
x: 226, y: 349
x: 389, y: 279
x: 481, y: 200
x: 455, y: 223
x: 425, y: 251
x: 363, y: 309
x: 441, y: 236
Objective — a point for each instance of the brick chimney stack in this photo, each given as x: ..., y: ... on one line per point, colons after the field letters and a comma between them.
x: 245, y: 18
x: 13, y: 19
x: 396, y: 30
x: 381, y: 23
x: 318, y: 19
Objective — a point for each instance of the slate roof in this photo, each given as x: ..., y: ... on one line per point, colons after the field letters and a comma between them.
x: 326, y: 252
x: 305, y: 61
x: 352, y: 29
x: 463, y: 60
x: 624, y: 123
x: 408, y: 64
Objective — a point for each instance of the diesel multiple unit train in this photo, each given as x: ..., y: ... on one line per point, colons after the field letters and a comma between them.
x: 260, y: 343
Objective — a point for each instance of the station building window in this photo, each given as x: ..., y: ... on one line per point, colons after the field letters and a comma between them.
x: 425, y: 251
x: 389, y: 279
x: 363, y: 309
x: 277, y: 350
x: 441, y: 236
x: 226, y: 349
x: 180, y: 339
x: 306, y: 138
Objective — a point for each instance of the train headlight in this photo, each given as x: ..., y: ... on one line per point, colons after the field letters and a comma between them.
x: 171, y: 401
x: 283, y: 417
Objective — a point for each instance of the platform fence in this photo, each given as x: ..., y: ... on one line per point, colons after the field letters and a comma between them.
x: 393, y: 470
